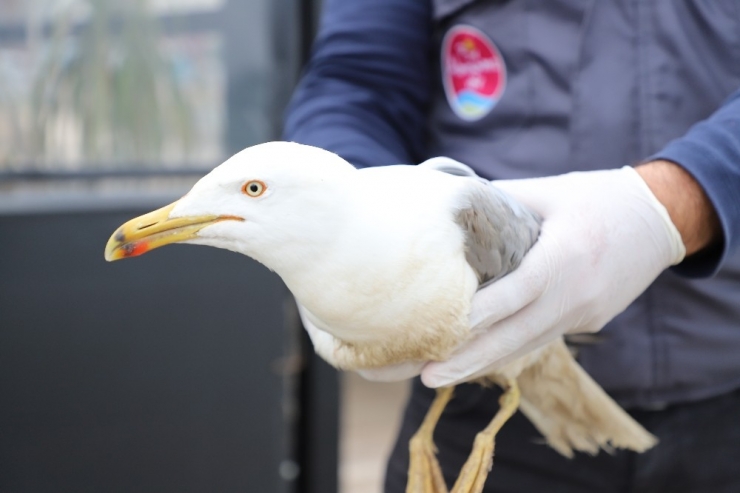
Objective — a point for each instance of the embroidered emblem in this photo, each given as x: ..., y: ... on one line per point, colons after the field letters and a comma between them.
x: 473, y: 72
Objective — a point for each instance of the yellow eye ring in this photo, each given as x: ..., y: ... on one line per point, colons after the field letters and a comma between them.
x: 254, y: 188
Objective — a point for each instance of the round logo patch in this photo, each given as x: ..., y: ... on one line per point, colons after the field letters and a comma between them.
x: 473, y: 72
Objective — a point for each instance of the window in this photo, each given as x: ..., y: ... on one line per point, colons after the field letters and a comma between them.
x: 104, y: 86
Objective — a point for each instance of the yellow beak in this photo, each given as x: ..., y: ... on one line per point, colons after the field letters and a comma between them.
x: 154, y: 230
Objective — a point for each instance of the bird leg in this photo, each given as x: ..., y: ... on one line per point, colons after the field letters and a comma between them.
x: 475, y: 471
x: 425, y: 475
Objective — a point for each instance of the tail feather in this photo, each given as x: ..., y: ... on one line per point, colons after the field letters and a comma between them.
x: 572, y: 411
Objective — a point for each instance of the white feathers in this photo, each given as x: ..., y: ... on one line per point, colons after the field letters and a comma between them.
x: 370, y: 253
x: 385, y: 262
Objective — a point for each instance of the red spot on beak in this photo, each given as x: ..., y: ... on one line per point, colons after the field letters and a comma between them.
x: 135, y: 249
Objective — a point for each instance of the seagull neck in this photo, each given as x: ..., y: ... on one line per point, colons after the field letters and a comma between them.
x: 307, y: 249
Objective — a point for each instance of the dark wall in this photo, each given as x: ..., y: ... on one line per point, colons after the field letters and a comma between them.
x: 181, y: 371
x: 156, y: 374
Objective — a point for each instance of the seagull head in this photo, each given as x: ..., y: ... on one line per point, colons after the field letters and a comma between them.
x: 261, y: 202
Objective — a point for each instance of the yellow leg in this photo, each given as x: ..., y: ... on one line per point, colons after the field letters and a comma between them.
x: 425, y: 476
x: 475, y: 471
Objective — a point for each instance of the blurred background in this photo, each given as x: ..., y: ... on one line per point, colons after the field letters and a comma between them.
x: 185, y: 370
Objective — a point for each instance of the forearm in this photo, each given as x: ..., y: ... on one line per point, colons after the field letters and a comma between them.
x: 365, y: 91
x: 686, y: 202
x: 710, y: 155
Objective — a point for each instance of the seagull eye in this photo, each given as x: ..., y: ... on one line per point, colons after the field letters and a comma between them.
x: 254, y: 188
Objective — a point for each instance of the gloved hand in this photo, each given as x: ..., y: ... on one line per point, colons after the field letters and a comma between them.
x: 604, y: 240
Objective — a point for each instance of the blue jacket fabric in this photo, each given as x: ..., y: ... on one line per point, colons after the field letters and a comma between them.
x: 589, y: 84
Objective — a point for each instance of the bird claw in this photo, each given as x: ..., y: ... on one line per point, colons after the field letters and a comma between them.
x: 472, y: 477
x: 425, y: 475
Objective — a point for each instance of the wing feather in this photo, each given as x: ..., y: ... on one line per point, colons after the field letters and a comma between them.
x: 498, y: 231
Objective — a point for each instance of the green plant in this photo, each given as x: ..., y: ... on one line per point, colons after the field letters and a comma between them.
x: 107, y: 86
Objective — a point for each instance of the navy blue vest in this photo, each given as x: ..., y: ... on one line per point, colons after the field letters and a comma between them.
x: 565, y: 85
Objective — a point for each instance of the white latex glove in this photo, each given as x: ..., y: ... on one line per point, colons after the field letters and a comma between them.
x: 604, y: 240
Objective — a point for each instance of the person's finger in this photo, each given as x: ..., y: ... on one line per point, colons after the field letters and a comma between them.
x: 527, y: 349
x: 500, y: 344
x: 503, y: 298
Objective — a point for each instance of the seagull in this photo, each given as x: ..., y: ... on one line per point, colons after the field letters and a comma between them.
x: 384, y: 263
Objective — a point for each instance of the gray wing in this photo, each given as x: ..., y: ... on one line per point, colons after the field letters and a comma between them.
x: 499, y: 231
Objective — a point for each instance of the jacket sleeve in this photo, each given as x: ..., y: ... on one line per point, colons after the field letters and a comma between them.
x: 710, y: 151
x: 364, y: 94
